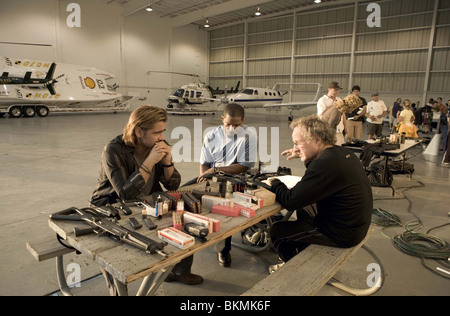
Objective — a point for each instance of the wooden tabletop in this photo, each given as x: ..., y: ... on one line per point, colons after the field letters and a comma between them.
x: 127, y: 263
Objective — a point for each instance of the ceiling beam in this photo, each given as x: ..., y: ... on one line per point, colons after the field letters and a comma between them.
x: 222, y: 8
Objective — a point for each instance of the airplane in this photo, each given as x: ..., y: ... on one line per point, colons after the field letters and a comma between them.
x: 54, y: 84
x: 254, y: 97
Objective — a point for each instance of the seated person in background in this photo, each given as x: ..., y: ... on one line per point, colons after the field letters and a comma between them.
x: 135, y: 164
x: 335, y: 181
x: 230, y: 148
x: 406, y: 119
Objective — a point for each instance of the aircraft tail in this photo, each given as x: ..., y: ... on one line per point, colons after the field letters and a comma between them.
x: 236, y: 90
x: 50, y: 72
x: 27, y: 78
x: 49, y: 79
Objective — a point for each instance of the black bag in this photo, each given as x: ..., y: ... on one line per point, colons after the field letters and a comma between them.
x: 376, y: 173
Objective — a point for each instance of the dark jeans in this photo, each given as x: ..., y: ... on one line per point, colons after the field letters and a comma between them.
x: 291, y: 237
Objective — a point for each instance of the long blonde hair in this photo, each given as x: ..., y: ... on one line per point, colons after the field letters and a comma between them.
x: 144, y: 117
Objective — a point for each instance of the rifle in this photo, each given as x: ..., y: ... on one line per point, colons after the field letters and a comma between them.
x: 104, y: 226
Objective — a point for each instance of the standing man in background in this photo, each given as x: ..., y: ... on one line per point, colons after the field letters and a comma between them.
x: 355, y: 118
x: 376, y: 110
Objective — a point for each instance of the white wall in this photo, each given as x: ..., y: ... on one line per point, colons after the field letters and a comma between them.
x: 128, y: 46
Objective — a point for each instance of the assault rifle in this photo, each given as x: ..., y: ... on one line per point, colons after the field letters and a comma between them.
x: 105, y: 226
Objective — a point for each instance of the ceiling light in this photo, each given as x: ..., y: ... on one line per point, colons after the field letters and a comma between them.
x: 206, y: 23
x: 258, y: 13
x: 149, y: 8
x: 317, y: 1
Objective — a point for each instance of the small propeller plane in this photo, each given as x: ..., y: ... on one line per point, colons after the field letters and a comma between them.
x: 267, y: 98
x: 29, y: 87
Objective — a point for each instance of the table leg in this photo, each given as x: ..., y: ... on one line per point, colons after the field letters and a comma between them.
x: 65, y: 290
x: 153, y: 281
x: 116, y: 288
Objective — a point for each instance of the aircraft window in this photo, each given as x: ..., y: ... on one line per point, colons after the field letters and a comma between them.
x: 279, y: 93
x: 192, y: 93
x: 178, y: 93
x: 265, y: 93
x: 186, y: 94
x: 256, y: 92
x: 270, y: 93
x: 247, y: 91
x: 198, y: 94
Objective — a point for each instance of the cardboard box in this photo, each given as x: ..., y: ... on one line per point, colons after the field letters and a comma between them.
x: 176, y: 238
x: 212, y: 224
x: 264, y: 194
x: 209, y: 201
x: 245, y: 211
x: 225, y: 210
x: 248, y: 198
x: 176, y: 220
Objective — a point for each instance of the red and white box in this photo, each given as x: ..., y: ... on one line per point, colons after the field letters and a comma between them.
x: 176, y: 238
x: 176, y: 220
x: 225, y: 210
x: 208, y: 201
x: 245, y: 211
x: 212, y: 224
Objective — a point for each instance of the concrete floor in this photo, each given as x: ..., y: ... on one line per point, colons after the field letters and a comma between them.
x: 49, y: 164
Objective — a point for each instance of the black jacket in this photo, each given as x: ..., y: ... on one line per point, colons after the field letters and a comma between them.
x: 337, y: 183
x: 120, y: 177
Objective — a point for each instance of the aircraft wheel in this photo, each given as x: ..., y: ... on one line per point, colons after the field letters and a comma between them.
x: 15, y: 112
x: 28, y: 111
x: 42, y: 111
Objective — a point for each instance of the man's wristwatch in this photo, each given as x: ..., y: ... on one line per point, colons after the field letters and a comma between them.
x: 216, y: 170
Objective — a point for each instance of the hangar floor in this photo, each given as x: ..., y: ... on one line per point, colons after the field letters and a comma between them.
x: 48, y: 164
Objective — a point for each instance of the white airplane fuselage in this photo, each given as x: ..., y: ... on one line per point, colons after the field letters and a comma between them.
x: 256, y: 97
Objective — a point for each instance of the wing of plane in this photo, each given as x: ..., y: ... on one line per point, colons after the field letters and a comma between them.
x: 291, y: 105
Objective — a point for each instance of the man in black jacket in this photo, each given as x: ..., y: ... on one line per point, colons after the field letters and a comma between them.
x: 135, y: 164
x: 334, y: 181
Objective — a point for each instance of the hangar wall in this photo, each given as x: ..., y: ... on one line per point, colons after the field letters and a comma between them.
x: 127, y: 46
x: 407, y: 57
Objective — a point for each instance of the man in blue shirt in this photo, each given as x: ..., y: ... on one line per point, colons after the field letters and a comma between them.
x: 229, y: 148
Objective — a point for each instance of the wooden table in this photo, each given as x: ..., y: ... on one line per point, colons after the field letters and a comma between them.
x: 127, y: 264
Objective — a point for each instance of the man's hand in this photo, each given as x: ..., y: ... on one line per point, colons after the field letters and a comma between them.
x: 200, y: 178
x: 165, y: 147
x: 290, y: 153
